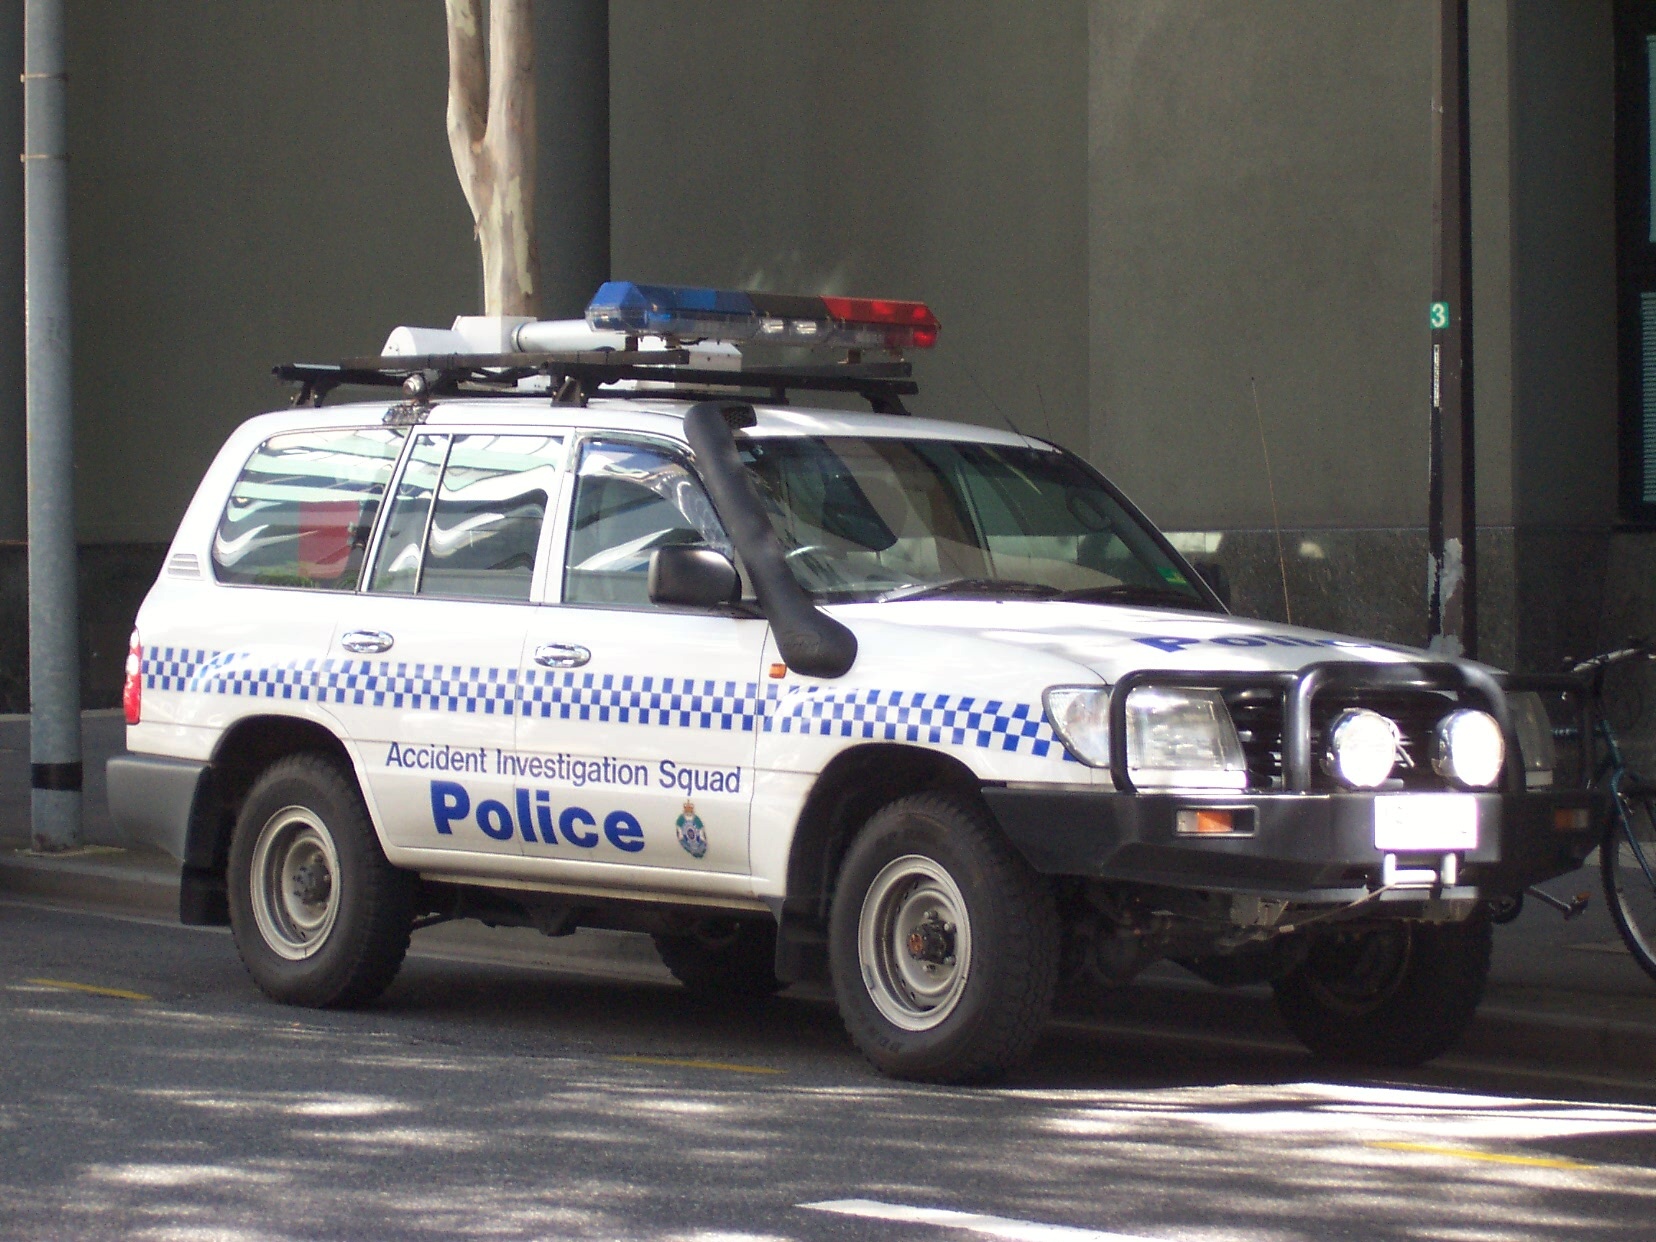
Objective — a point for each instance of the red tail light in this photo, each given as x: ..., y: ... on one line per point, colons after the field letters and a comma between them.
x: 132, y: 694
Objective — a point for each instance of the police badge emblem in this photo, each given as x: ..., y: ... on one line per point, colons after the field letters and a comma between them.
x: 691, y: 834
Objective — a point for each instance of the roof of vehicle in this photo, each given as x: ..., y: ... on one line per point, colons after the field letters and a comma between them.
x: 650, y: 415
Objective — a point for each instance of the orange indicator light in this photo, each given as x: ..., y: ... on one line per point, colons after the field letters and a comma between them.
x: 779, y: 670
x: 1572, y: 819
x: 1205, y: 822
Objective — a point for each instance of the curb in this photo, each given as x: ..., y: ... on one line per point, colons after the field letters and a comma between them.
x: 94, y: 877
x: 1560, y: 1041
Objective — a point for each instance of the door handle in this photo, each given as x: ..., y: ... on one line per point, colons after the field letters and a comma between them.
x: 367, y: 641
x: 561, y: 655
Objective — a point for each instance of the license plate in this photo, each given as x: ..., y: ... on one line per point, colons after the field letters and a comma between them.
x: 1422, y: 821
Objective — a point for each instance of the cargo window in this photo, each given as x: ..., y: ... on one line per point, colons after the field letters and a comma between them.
x: 467, y: 517
x: 301, y: 513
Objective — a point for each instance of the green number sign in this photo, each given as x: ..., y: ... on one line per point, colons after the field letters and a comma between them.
x: 1440, y: 316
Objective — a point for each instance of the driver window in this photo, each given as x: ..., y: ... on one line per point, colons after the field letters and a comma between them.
x: 630, y: 499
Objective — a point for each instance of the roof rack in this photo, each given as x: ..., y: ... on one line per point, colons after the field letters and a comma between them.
x: 577, y: 376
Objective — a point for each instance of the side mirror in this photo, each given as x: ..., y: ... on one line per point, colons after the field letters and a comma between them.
x: 1213, y: 573
x: 692, y: 576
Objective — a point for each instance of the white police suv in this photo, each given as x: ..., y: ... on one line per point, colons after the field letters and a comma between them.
x: 591, y: 627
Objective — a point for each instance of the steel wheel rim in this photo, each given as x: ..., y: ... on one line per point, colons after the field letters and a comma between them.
x: 914, y: 943
x: 295, y: 883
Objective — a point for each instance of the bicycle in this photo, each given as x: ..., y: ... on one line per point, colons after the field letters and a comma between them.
x: 1627, y: 852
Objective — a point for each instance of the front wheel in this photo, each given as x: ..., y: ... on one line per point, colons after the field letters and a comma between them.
x: 1627, y: 864
x: 943, y: 944
x: 319, y: 916
x: 1392, y: 996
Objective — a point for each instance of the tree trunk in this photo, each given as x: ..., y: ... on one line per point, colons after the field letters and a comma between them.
x: 491, y: 128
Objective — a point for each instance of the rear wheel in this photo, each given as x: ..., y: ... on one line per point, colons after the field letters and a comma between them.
x: 943, y: 944
x: 724, y: 957
x: 1392, y: 996
x: 319, y: 916
x: 1627, y: 863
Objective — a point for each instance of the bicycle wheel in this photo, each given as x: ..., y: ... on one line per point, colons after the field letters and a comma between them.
x: 1627, y: 862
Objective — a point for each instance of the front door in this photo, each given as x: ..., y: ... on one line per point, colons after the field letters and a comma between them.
x: 639, y: 723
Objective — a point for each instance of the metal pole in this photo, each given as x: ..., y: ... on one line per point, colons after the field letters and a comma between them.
x: 54, y: 616
x: 1452, y: 613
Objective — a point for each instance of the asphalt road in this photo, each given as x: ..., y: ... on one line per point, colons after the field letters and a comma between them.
x: 148, y: 1091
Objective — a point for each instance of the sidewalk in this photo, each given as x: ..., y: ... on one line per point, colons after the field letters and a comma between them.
x: 1563, y: 995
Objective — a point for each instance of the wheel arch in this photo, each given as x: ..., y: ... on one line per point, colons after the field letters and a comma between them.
x: 247, y: 748
x: 856, y: 783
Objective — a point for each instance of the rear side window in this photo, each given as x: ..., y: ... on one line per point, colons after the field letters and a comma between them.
x: 301, y: 513
x: 467, y: 518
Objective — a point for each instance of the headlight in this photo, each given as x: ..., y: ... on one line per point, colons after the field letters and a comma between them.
x: 1362, y: 748
x: 1175, y: 738
x: 1535, y: 738
x: 1080, y: 716
x: 1468, y: 749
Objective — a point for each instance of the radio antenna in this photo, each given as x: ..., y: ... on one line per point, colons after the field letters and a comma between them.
x: 1276, y: 522
x: 990, y: 397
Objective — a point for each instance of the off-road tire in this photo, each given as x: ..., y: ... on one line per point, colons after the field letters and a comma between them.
x: 1362, y: 999
x: 1001, y: 998
x: 357, y: 951
x: 733, y: 958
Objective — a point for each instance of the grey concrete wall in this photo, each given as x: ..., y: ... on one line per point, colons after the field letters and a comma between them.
x: 1259, y: 181
x: 1491, y: 50
x: 1123, y: 211
x: 251, y: 183
x: 572, y: 195
x: 1564, y: 411
x: 930, y: 150
x: 1564, y: 428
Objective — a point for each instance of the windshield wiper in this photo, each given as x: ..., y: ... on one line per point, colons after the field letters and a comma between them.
x: 1135, y: 593
x: 989, y: 588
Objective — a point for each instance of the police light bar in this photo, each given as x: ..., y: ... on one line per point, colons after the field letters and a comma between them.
x: 687, y: 314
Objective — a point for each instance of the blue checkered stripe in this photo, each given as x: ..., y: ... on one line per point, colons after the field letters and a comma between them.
x: 910, y: 716
x: 473, y: 689
x: 615, y: 698
x: 173, y: 668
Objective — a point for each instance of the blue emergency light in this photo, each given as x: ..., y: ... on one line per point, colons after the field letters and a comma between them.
x: 689, y: 314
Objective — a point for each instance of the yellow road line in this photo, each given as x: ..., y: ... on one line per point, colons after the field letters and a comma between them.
x: 91, y: 989
x: 706, y: 1065
x: 1467, y: 1153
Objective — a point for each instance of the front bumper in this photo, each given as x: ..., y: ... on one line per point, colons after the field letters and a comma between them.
x: 1304, y: 847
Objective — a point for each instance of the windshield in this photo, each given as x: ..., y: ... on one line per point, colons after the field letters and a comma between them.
x: 892, y: 519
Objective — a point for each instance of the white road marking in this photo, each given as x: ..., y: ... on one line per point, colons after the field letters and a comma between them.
x: 972, y: 1222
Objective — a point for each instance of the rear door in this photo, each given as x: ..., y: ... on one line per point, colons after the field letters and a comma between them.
x: 427, y: 659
